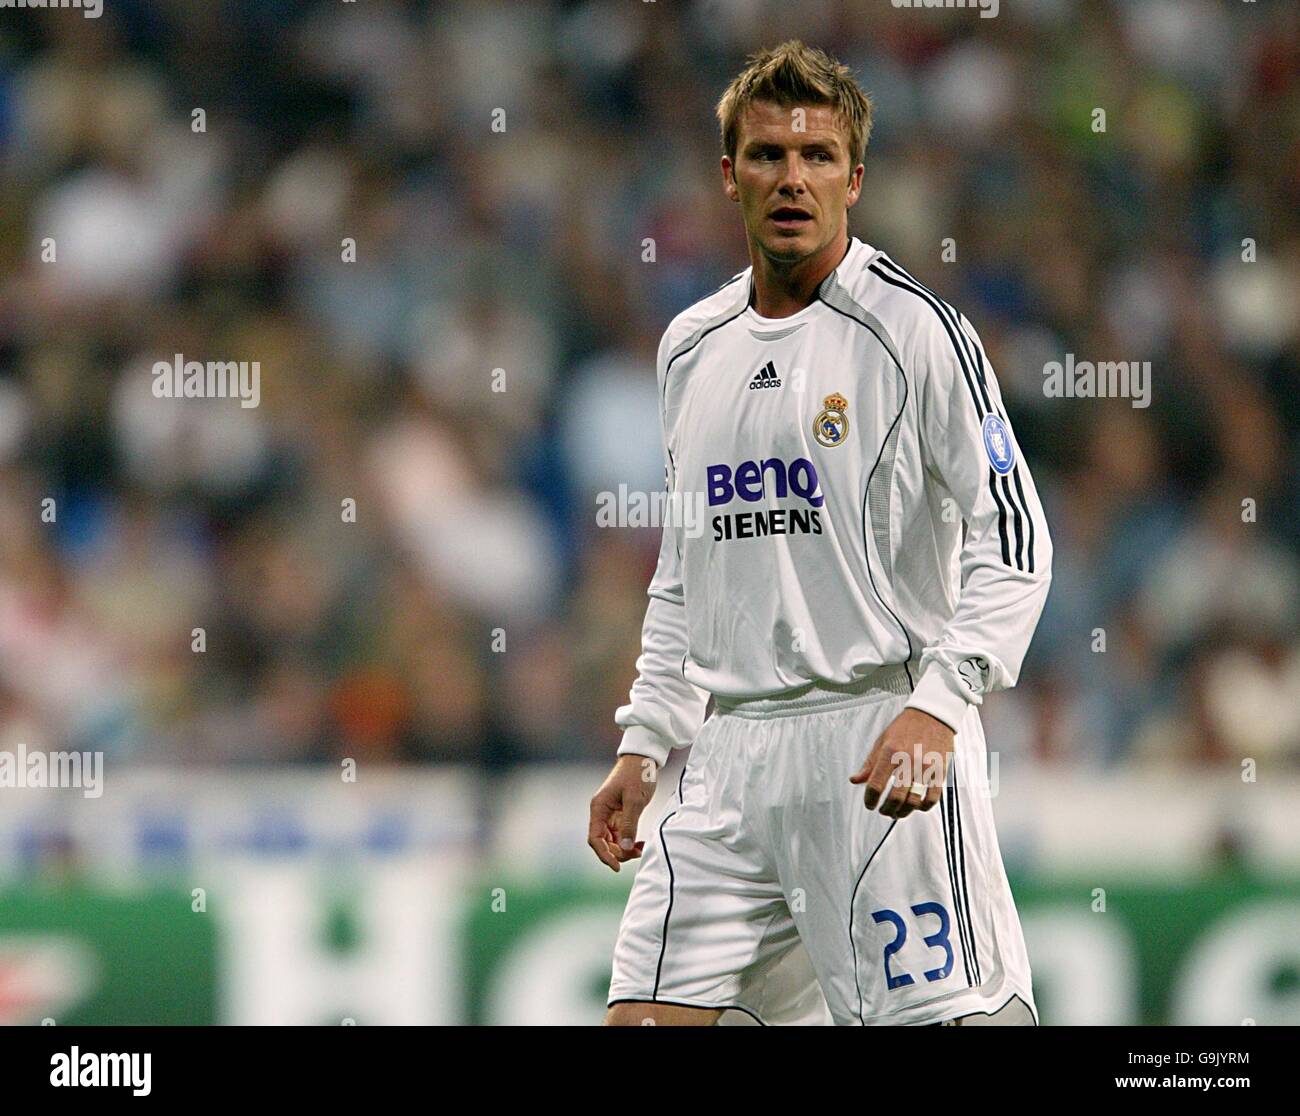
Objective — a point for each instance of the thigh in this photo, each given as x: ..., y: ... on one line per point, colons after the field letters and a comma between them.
x: 706, y: 921
x: 935, y: 925
x: 909, y: 917
x: 894, y: 913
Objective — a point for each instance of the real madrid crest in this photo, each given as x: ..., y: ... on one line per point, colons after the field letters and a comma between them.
x: 831, y: 426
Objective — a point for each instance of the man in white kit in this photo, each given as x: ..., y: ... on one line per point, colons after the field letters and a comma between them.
x: 873, y: 561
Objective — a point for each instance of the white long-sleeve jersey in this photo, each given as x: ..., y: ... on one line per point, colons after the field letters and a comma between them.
x: 846, y: 493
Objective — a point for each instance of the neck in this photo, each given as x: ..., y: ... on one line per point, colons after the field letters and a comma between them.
x: 781, y: 288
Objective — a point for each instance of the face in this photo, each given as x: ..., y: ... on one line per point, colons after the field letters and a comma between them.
x: 794, y: 187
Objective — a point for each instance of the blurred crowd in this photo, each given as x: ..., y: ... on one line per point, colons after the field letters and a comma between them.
x: 451, y: 235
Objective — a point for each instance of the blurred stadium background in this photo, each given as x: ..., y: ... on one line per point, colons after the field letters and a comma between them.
x: 466, y: 640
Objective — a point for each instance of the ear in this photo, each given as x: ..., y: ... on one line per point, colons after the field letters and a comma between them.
x: 855, y: 185
x: 729, y: 179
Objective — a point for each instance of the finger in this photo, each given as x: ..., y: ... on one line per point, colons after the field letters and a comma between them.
x: 864, y: 772
x: 623, y: 853
x: 615, y: 840
x: 618, y: 850
x: 893, y: 800
x: 914, y: 799
x: 933, y: 777
x: 598, y: 832
x: 629, y: 821
x: 604, y: 852
x: 877, y: 781
x: 911, y: 775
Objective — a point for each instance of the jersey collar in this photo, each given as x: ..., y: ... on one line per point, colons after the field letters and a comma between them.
x: 857, y: 250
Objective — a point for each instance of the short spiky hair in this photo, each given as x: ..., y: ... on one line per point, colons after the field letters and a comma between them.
x: 794, y: 74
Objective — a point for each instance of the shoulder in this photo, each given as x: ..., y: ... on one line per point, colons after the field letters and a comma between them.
x: 690, y: 327
x: 916, y: 319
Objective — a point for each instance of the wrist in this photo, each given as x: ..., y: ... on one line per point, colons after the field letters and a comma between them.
x: 939, y: 694
x: 643, y: 742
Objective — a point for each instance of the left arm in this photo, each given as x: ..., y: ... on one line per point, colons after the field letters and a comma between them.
x: 970, y: 451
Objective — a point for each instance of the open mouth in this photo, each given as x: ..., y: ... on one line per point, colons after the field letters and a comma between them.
x: 790, y: 217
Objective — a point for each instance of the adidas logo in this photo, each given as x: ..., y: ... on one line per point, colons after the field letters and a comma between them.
x: 765, y: 377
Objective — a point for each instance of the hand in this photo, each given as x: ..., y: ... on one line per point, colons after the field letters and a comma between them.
x: 914, y: 749
x: 616, y: 808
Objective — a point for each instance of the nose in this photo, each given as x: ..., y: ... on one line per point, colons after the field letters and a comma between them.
x: 792, y: 184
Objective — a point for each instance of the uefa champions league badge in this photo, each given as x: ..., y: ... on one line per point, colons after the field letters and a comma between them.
x: 832, y: 425
x: 997, y: 444
x: 974, y: 672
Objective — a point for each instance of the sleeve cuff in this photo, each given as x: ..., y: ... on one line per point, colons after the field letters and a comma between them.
x: 641, y: 741
x: 939, y: 694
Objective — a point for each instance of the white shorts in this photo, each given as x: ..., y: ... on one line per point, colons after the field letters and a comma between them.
x: 767, y: 847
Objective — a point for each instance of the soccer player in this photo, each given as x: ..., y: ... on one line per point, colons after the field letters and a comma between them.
x: 873, y: 561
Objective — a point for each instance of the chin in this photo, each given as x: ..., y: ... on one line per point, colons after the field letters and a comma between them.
x: 790, y: 248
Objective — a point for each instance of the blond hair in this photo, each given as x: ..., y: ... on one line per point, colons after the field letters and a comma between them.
x: 794, y: 74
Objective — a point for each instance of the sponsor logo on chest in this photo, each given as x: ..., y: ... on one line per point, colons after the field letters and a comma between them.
x: 752, y: 481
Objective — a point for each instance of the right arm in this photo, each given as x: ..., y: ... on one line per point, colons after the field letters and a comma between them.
x: 664, y: 710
